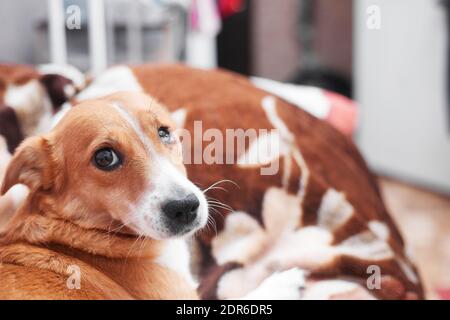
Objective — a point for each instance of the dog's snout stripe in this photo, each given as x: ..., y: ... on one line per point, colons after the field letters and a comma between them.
x: 134, y: 124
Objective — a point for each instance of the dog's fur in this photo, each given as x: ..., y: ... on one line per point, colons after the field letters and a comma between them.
x: 321, y: 212
x: 106, y: 225
x: 29, y: 97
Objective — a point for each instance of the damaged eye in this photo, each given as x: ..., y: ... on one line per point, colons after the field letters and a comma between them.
x: 106, y: 159
x: 164, y: 134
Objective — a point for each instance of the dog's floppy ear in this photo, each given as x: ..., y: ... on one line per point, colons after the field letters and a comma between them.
x: 59, y: 88
x: 30, y: 166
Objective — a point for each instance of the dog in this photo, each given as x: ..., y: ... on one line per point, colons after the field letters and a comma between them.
x: 29, y: 98
x: 321, y: 212
x: 318, y: 224
x: 109, y: 203
x: 32, y: 96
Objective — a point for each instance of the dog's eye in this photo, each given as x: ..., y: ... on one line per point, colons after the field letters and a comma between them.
x: 164, y: 134
x: 106, y: 159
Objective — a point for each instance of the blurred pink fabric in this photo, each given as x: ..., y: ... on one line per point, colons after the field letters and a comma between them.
x: 340, y: 111
x: 343, y: 113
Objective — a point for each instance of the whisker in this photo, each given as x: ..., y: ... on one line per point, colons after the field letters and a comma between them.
x: 142, y: 245
x: 132, y: 246
x: 217, y: 188
x: 214, y: 226
x: 123, y: 224
x: 219, y: 182
x: 219, y: 203
x: 216, y: 205
x: 214, y: 210
x: 215, y: 200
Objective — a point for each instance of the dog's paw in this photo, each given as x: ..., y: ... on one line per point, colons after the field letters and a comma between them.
x: 285, y: 285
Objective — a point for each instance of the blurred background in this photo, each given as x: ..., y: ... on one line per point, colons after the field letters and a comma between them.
x: 388, y: 59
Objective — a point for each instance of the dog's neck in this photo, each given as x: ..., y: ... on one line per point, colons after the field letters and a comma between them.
x: 130, y: 261
x: 38, y: 227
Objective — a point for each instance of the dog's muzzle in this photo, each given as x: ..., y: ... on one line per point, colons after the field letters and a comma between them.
x: 180, y: 214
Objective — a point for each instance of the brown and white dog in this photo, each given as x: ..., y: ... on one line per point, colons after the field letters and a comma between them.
x: 321, y: 213
x: 29, y: 98
x: 108, y: 195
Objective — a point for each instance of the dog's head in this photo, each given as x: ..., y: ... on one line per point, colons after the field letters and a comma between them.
x: 113, y: 159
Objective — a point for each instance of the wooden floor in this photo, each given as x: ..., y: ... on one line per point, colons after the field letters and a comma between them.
x: 424, y: 220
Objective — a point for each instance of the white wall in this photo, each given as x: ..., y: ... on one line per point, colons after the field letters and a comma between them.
x: 400, y: 79
x: 19, y: 18
x: 275, y: 40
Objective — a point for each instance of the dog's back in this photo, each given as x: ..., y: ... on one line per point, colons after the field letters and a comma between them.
x: 321, y: 211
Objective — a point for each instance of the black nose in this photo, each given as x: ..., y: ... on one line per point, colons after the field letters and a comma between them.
x: 182, y: 211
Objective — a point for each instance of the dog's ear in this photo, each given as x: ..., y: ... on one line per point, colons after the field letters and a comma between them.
x: 30, y: 166
x: 59, y: 88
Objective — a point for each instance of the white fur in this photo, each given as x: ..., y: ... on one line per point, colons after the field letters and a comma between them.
x: 366, y: 246
x: 287, y: 138
x: 286, y: 285
x: 269, y: 105
x: 310, y: 99
x: 61, y: 113
x: 135, y: 125
x: 163, y: 185
x: 179, y: 116
x: 380, y: 229
x: 176, y: 257
x: 69, y: 90
x: 408, y: 270
x: 31, y: 102
x: 326, y: 289
x: 18, y: 194
x: 334, y: 210
x: 119, y: 78
x: 166, y: 181
x: 264, y: 150
x: 241, y: 237
x: 67, y: 71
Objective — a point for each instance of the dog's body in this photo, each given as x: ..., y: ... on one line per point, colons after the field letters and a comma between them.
x: 62, y: 272
x: 321, y: 212
x: 118, y: 243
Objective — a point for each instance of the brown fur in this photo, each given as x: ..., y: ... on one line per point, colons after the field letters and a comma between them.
x: 63, y: 223
x: 226, y: 100
x: 15, y: 74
